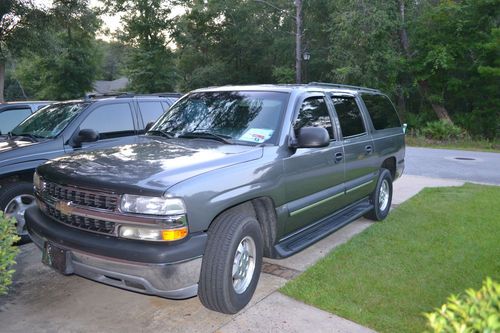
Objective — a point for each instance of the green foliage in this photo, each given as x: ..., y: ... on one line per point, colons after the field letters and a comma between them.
x: 67, y: 65
x: 146, y: 26
x: 8, y: 236
x: 455, y: 53
x: 284, y: 74
x: 474, y: 311
x: 442, y: 130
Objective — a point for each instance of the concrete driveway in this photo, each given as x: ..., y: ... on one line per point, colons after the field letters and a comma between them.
x: 42, y: 300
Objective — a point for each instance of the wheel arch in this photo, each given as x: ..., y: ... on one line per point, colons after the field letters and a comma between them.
x: 263, y: 209
x: 390, y: 164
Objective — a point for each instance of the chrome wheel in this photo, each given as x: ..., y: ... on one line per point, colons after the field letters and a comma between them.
x: 244, y: 265
x: 16, y: 207
x: 383, y: 196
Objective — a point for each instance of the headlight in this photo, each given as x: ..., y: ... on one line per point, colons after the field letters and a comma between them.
x: 152, y: 205
x: 153, y: 234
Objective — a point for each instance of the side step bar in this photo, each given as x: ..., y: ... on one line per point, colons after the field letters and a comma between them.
x: 321, y: 229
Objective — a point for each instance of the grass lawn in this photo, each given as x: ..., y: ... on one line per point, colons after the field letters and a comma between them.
x: 440, y: 242
x: 464, y: 144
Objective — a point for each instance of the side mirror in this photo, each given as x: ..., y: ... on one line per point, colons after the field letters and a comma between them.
x: 148, y: 126
x: 312, y: 137
x: 405, y: 127
x: 85, y: 135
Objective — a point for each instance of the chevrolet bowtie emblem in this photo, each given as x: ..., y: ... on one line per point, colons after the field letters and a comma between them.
x: 64, y: 207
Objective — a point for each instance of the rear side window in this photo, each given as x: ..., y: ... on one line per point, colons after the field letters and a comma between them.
x: 314, y: 113
x: 150, y: 111
x: 381, y: 111
x: 111, y: 121
x: 350, y: 119
x: 11, y: 118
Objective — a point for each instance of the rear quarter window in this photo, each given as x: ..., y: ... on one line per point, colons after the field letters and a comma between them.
x: 381, y: 111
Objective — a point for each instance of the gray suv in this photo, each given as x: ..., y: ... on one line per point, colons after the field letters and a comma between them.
x: 227, y: 176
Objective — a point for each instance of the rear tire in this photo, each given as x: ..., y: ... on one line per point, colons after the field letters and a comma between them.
x: 232, y: 262
x: 381, y: 198
x: 15, y: 198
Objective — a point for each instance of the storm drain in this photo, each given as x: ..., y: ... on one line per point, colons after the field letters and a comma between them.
x: 279, y: 271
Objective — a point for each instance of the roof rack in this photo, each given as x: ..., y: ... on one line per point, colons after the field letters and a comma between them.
x: 161, y: 94
x: 130, y: 94
x: 335, y: 85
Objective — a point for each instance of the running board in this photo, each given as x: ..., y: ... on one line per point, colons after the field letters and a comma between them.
x: 321, y: 229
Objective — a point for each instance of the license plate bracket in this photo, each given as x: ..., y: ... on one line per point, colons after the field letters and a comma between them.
x: 57, y: 258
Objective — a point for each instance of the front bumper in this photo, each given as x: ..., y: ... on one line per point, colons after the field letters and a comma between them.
x: 168, y: 270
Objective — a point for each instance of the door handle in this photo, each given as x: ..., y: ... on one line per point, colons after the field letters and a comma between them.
x: 368, y: 149
x: 338, y: 157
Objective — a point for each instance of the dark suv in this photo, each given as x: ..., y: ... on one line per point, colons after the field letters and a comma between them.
x: 63, y: 128
x: 228, y: 175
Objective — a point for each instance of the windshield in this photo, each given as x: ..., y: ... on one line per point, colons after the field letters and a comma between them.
x: 244, y: 116
x: 49, y: 121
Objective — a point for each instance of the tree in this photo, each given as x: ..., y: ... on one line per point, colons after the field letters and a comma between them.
x: 454, y: 56
x: 66, y: 66
x: 146, y: 26
x: 18, y: 19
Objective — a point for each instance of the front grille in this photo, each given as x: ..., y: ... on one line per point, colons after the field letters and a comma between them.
x: 81, y: 222
x: 81, y: 197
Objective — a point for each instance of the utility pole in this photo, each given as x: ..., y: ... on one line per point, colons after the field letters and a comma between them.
x: 298, y: 42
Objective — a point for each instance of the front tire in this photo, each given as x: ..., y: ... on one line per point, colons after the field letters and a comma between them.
x: 232, y: 262
x: 381, y: 197
x: 15, y: 198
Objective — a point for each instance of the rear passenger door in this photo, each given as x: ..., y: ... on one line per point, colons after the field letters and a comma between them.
x: 314, y: 176
x: 360, y: 161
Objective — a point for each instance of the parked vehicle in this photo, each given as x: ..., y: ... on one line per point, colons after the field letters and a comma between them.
x: 13, y: 113
x: 228, y: 175
x: 63, y: 128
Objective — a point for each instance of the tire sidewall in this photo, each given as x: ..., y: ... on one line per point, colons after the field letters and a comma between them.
x: 248, y: 227
x: 382, y: 214
x: 11, y: 191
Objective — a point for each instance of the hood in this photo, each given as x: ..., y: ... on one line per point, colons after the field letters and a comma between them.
x: 17, y: 151
x: 151, y: 165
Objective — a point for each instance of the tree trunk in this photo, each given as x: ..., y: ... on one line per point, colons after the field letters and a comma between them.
x: 438, y: 108
x: 298, y: 42
x: 2, y: 80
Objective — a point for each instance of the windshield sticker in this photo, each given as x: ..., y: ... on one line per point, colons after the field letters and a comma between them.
x: 257, y: 135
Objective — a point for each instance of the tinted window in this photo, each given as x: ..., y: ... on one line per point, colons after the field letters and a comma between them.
x: 351, y: 121
x: 110, y: 120
x: 10, y: 118
x: 314, y: 113
x: 381, y: 111
x: 150, y: 111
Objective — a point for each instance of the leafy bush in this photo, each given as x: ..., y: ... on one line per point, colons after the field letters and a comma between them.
x: 442, y: 130
x: 476, y: 311
x: 8, y: 237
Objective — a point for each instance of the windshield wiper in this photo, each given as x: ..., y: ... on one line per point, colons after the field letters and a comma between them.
x: 207, y: 135
x: 166, y: 134
x: 30, y: 136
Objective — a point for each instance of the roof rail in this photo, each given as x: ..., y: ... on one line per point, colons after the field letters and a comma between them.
x: 131, y: 94
x: 161, y: 94
x: 335, y: 85
x: 105, y: 95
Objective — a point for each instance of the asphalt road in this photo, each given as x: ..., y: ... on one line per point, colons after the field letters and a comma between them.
x: 453, y: 164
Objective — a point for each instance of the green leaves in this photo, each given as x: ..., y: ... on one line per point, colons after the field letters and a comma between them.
x: 8, y: 252
x: 474, y: 311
